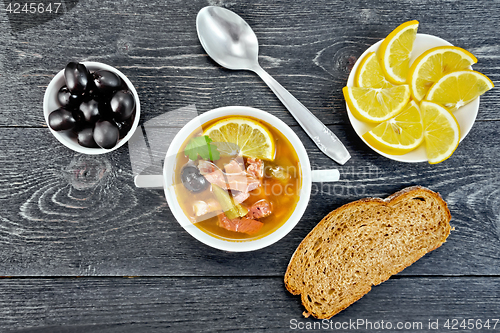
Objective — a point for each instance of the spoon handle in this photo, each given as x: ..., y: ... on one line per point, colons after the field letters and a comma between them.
x: 325, y: 139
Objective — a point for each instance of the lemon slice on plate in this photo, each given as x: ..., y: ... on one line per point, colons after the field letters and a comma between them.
x: 398, y: 135
x: 253, y: 138
x: 394, y: 52
x: 441, y: 132
x: 369, y: 73
x: 466, y: 115
x: 433, y: 64
x: 459, y: 88
x: 375, y: 105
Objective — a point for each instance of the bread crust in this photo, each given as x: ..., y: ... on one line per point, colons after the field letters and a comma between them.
x: 294, y: 279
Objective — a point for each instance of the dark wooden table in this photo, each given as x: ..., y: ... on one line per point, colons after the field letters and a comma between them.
x: 83, y: 250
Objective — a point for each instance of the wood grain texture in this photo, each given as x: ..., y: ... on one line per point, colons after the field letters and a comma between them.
x: 309, y: 47
x: 64, y: 214
x: 227, y: 305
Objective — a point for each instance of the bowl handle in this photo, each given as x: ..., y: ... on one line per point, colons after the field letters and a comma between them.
x: 149, y: 181
x: 156, y: 181
x: 322, y: 176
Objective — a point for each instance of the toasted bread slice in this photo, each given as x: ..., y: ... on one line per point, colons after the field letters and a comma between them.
x: 362, y: 244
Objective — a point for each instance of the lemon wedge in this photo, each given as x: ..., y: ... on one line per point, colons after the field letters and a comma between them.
x: 458, y: 88
x: 441, y: 131
x: 433, y: 64
x: 398, y: 135
x: 369, y: 73
x: 394, y: 52
x: 375, y: 105
x: 252, y: 138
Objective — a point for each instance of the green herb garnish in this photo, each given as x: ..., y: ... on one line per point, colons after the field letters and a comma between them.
x: 203, y: 146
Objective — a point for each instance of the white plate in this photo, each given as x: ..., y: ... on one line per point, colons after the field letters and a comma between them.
x: 466, y: 115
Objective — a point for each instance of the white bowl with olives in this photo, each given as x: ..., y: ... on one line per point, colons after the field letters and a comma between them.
x: 91, y: 107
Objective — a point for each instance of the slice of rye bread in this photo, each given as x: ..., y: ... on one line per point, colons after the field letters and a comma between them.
x: 362, y: 244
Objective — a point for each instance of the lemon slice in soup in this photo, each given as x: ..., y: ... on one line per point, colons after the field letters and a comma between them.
x: 253, y: 138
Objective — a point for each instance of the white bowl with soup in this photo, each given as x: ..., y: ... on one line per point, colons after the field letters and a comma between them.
x: 235, y: 201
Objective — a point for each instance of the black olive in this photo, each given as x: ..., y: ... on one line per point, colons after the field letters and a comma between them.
x: 122, y: 104
x: 125, y: 126
x: 86, y: 138
x: 77, y: 77
x: 106, y: 81
x: 62, y: 119
x: 192, y: 179
x: 90, y: 111
x: 68, y: 99
x: 106, y: 134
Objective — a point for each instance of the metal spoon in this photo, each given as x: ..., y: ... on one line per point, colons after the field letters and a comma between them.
x: 230, y: 41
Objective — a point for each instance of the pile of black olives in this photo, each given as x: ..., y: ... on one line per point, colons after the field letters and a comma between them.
x: 97, y: 107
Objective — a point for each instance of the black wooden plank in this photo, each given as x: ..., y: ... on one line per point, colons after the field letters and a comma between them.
x: 308, y: 47
x: 233, y: 305
x: 66, y: 214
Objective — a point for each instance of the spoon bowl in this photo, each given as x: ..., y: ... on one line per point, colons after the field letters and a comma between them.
x: 230, y: 41
x: 227, y: 39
